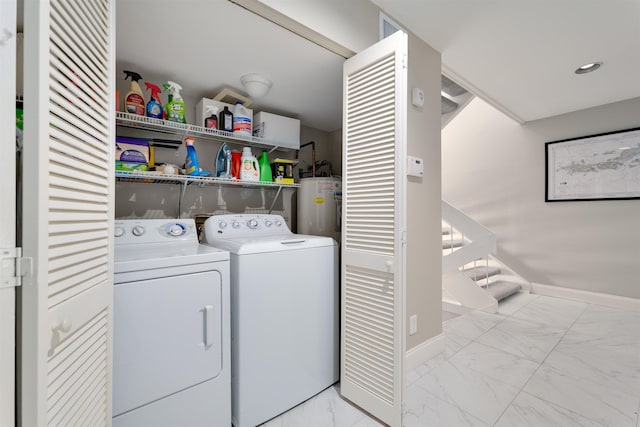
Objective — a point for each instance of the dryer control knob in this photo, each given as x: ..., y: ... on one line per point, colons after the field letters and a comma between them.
x: 118, y: 232
x: 235, y: 224
x: 222, y: 225
x: 176, y: 230
x: 267, y: 223
x: 138, y: 230
x: 278, y: 223
x: 252, y: 223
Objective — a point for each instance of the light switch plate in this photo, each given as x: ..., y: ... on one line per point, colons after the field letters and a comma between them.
x: 417, y: 97
x: 415, y: 166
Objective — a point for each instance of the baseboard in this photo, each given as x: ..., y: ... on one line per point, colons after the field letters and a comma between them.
x: 423, y: 352
x: 624, y: 303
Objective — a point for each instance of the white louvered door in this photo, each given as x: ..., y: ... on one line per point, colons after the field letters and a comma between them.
x: 374, y: 152
x: 68, y: 212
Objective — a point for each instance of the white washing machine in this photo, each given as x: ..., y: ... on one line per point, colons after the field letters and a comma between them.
x: 284, y: 314
x: 171, y: 339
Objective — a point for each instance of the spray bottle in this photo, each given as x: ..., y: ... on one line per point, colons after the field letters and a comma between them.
x: 175, y: 106
x: 191, y: 166
x: 134, y: 100
x: 165, y: 88
x: 154, y: 106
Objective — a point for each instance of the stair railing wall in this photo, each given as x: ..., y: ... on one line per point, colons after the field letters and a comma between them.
x: 478, y: 240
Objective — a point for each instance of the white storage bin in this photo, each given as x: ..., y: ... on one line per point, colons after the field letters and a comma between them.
x: 277, y: 130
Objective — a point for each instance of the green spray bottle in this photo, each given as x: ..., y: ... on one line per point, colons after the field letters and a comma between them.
x: 175, y: 107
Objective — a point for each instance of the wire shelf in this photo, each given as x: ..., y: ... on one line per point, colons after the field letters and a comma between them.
x: 160, y: 178
x: 183, y: 129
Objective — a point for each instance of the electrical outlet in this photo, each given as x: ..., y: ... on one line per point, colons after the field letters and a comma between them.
x: 413, y: 324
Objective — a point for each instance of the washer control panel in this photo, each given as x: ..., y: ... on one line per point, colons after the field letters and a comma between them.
x: 154, y: 231
x: 244, y: 225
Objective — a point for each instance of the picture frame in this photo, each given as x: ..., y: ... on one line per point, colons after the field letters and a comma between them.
x: 605, y: 166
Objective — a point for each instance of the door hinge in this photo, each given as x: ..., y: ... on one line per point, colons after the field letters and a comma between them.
x: 13, y: 267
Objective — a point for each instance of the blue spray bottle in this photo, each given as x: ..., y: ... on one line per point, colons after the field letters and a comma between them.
x: 191, y: 166
x: 154, y: 107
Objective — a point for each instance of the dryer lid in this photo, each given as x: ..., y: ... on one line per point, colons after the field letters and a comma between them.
x: 274, y: 243
x: 148, y: 256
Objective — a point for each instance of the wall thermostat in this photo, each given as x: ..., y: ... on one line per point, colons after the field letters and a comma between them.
x: 415, y: 166
x: 417, y: 97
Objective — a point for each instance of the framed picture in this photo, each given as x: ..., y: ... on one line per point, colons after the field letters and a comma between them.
x: 596, y: 167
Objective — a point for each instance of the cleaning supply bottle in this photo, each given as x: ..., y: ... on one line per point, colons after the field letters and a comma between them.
x: 225, y: 120
x: 165, y: 88
x: 241, y: 120
x: 175, y: 106
x: 265, y: 167
x: 211, y: 122
x: 249, y: 170
x: 154, y: 106
x: 134, y: 100
x: 191, y: 166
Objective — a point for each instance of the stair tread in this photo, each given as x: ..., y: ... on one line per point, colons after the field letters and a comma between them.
x: 448, y: 243
x: 481, y: 271
x: 500, y: 289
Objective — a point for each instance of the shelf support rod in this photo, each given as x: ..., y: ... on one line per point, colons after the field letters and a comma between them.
x: 274, y: 199
x: 183, y: 189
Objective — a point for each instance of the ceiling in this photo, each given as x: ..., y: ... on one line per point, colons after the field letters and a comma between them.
x: 206, y: 45
x: 520, y: 55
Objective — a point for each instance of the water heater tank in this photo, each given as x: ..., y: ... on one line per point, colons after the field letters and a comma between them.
x: 319, y: 207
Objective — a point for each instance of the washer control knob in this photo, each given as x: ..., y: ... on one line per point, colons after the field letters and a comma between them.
x: 222, y: 225
x: 137, y: 230
x: 278, y: 223
x: 252, y: 223
x: 176, y: 230
x: 235, y: 224
x: 118, y: 232
x: 268, y: 223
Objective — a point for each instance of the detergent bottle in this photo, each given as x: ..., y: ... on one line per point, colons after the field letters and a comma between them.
x: 265, y: 167
x: 241, y: 120
x: 134, y: 100
x: 249, y: 169
x: 154, y: 106
x: 175, y: 106
x: 211, y: 121
x: 191, y: 166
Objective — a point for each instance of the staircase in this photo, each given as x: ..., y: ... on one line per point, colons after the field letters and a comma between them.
x: 473, y: 277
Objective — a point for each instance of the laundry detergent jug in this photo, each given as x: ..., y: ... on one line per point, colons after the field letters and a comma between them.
x: 249, y: 170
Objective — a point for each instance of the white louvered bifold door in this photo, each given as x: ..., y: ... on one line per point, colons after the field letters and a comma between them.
x: 374, y: 145
x: 66, y: 304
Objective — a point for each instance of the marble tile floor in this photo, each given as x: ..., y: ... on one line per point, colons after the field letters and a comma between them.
x: 538, y: 362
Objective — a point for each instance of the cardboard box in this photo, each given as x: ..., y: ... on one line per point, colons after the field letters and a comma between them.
x: 277, y: 130
x: 132, y: 150
x: 201, y: 110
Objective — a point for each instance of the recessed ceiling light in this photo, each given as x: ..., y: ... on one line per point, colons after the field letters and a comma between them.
x: 587, y: 68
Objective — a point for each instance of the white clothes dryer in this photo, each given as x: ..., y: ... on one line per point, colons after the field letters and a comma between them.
x: 284, y: 314
x: 171, y: 339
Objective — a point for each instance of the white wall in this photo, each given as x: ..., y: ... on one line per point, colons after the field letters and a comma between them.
x: 424, y: 229
x: 352, y: 23
x: 494, y: 170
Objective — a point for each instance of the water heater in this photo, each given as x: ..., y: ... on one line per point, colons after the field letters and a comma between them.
x: 319, y: 207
